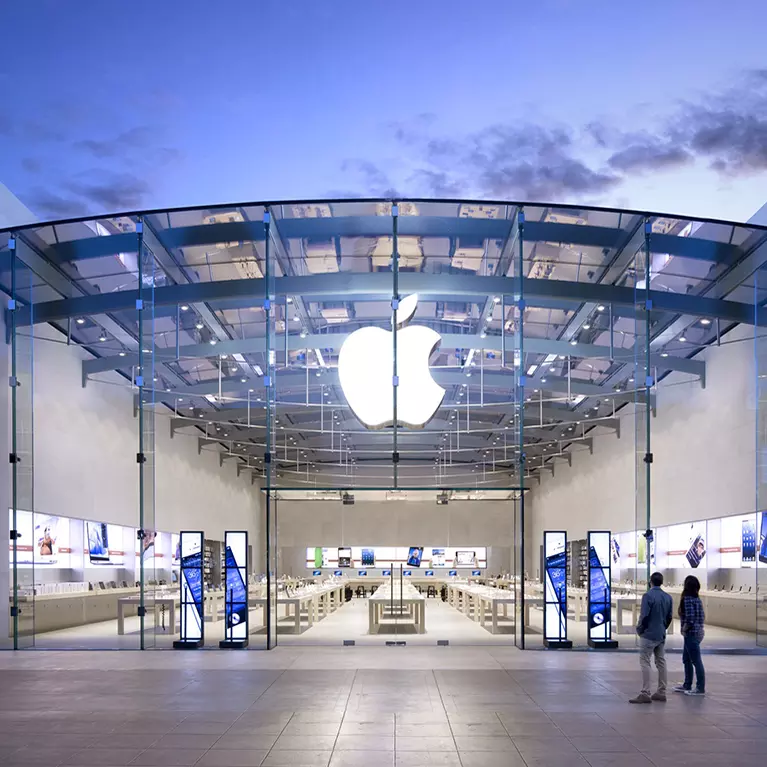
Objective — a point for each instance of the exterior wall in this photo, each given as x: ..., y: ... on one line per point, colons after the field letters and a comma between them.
x: 703, y: 443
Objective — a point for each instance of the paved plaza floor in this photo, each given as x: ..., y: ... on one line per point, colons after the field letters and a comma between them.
x: 362, y: 706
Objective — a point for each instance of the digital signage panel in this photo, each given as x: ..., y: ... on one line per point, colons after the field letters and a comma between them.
x: 555, y: 589
x: 599, y: 590
x: 191, y: 597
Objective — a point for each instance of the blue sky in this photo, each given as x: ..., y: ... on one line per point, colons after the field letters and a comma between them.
x: 120, y: 105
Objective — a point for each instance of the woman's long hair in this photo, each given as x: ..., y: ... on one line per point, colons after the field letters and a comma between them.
x: 691, y: 589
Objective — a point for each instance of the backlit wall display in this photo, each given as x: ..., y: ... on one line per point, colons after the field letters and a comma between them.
x: 599, y: 595
x: 436, y: 557
x: 192, y: 616
x: 44, y: 540
x: 687, y: 546
x: 105, y: 544
x: 555, y: 589
x: 236, y: 579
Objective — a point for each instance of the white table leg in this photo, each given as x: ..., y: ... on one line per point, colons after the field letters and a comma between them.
x: 120, y: 618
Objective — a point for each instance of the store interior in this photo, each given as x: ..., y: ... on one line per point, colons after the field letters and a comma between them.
x: 211, y: 471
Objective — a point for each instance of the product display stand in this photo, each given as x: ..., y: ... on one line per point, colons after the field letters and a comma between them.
x: 555, y: 590
x: 192, y: 624
x: 599, y: 586
x: 236, y: 607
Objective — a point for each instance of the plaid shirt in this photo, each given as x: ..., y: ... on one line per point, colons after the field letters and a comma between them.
x: 694, y: 617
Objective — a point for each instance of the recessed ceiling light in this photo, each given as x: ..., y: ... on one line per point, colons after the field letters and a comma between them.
x: 296, y: 319
x: 213, y: 342
x: 102, y: 337
x: 121, y: 354
x: 664, y: 354
x: 586, y: 326
x: 184, y: 307
x: 251, y: 391
x: 631, y: 380
x: 80, y: 321
x: 705, y: 321
x: 682, y: 339
x: 243, y: 380
x: 573, y: 342
x: 180, y: 399
x: 199, y: 325
x: 543, y: 380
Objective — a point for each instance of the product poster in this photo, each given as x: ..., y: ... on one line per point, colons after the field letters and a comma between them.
x: 44, y: 540
x: 555, y: 586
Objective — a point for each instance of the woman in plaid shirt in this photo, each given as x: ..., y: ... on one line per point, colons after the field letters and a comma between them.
x: 692, y: 618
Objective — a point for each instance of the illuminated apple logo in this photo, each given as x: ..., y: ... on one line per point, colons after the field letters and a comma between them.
x: 365, y: 372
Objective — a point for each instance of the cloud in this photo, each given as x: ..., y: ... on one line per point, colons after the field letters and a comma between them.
x: 725, y: 130
x: 649, y: 154
x: 138, y: 137
x: 92, y: 191
x: 375, y: 182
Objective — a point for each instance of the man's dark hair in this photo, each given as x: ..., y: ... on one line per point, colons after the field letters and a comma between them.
x: 656, y: 579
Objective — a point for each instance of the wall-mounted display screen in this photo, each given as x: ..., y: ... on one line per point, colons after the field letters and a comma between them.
x: 555, y: 586
x: 344, y: 557
x: 338, y: 572
x: 452, y: 573
x: 429, y: 573
x: 414, y: 556
x: 371, y: 556
x: 763, y: 539
x: 748, y: 541
x: 362, y: 573
x: 98, y: 542
x: 316, y: 573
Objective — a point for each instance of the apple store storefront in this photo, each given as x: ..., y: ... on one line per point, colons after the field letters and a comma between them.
x: 366, y: 422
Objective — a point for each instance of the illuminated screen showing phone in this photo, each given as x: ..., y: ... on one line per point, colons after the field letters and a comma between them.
x: 763, y: 539
x: 599, y: 597
x: 191, y: 594
x: 748, y: 542
x: 236, y: 601
x: 368, y: 558
x: 697, y: 551
x: 556, y: 594
x: 344, y: 557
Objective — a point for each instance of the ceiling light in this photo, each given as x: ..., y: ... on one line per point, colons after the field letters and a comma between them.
x: 682, y: 339
x: 531, y: 370
x: 600, y: 308
x: 199, y: 325
x: 705, y: 321
x: 543, y: 380
x: 251, y: 391
x: 631, y: 380
x: 243, y: 380
x: 664, y: 354
x: 303, y: 334
x: 80, y: 321
x: 102, y: 337
x: 586, y: 326
x: 184, y: 307
x: 213, y: 342
x: 573, y: 342
x: 223, y: 356
x: 121, y: 354
x: 483, y: 334
x: 496, y: 299
x: 296, y: 319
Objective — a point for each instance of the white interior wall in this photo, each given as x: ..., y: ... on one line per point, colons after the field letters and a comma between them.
x: 703, y: 447
x: 86, y: 441
x: 393, y: 523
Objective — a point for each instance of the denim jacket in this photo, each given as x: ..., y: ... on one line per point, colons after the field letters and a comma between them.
x: 656, y: 614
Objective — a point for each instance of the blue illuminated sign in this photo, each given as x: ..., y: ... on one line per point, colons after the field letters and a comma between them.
x: 362, y: 572
x: 599, y: 615
x: 429, y: 572
x: 407, y: 572
x: 555, y: 589
x: 452, y: 573
x: 476, y: 573
x: 386, y: 573
x: 315, y: 573
x: 338, y: 572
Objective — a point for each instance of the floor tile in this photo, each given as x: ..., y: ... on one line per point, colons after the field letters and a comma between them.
x: 166, y: 757
x: 425, y: 744
x: 304, y: 743
x: 428, y: 759
x: 362, y: 759
x: 232, y: 758
x: 297, y: 759
x: 365, y: 743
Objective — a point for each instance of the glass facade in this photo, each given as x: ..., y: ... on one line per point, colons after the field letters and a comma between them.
x: 465, y: 355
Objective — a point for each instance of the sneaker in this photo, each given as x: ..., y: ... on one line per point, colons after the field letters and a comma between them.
x: 681, y: 688
x: 697, y: 693
x: 659, y: 696
x: 643, y: 697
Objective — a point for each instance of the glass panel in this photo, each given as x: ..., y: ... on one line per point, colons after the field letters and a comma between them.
x: 24, y: 545
x: 643, y: 375
x: 759, y: 539
x: 152, y: 597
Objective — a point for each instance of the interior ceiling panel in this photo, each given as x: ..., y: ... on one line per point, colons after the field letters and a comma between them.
x: 448, y: 244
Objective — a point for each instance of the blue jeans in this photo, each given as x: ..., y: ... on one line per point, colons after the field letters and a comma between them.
x: 691, y: 660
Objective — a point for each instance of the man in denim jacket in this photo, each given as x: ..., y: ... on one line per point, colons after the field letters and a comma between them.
x: 654, y: 618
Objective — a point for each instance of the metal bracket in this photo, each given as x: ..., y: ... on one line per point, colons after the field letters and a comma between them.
x: 140, y: 458
x: 648, y: 458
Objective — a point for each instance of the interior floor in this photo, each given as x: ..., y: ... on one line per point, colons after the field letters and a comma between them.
x: 393, y: 707
x: 351, y: 623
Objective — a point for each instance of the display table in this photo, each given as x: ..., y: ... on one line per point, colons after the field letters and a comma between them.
x: 159, y: 603
x: 477, y: 602
x: 405, y: 608
x: 316, y: 602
